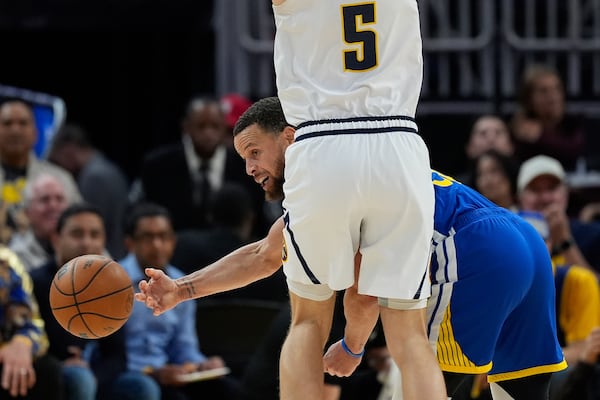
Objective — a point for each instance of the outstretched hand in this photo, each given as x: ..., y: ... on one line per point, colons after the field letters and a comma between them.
x: 158, y: 293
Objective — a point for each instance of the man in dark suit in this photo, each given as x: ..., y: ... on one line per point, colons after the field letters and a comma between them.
x: 183, y: 176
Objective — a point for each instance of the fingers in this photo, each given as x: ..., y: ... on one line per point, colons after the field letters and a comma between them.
x: 156, y: 311
x: 154, y: 273
x: 17, y: 380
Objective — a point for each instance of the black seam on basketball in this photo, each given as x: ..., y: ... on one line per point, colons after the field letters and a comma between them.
x: 92, y: 277
x: 75, y: 294
x: 83, y: 320
x: 92, y: 299
x: 75, y: 299
x: 103, y: 316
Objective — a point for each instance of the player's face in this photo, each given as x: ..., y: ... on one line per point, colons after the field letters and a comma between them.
x: 543, y: 191
x: 153, y: 242
x: 81, y: 234
x: 264, y: 154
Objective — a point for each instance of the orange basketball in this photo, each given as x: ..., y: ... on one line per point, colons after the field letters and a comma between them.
x: 91, y: 296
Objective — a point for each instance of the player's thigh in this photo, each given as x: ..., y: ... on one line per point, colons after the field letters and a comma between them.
x: 398, y: 225
x: 322, y: 226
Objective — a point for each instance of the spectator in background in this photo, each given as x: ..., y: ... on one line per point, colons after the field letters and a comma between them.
x: 232, y: 217
x: 495, y: 177
x: 582, y: 381
x: 489, y: 132
x: 100, y: 181
x: 183, y: 176
x: 260, y: 380
x: 541, y: 125
x: 541, y: 187
x: 234, y: 105
x: 161, y: 349
x: 79, y: 231
x: 44, y: 200
x: 25, y: 367
x: 18, y: 162
x: 577, y: 305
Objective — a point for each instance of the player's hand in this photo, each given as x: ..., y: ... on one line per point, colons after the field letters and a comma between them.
x: 18, y: 374
x: 158, y: 293
x: 337, y: 362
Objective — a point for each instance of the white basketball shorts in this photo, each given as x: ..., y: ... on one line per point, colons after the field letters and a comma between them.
x: 360, y: 183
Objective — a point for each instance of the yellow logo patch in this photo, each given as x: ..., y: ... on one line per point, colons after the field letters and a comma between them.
x: 284, y: 252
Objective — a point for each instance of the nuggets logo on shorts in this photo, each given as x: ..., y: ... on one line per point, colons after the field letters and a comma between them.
x: 284, y: 253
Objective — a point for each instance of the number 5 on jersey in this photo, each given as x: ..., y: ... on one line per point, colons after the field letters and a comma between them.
x: 354, y: 20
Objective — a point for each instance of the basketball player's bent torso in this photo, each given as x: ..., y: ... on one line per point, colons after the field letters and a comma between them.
x: 349, y: 76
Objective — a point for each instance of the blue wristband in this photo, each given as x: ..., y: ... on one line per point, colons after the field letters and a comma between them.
x: 349, y: 352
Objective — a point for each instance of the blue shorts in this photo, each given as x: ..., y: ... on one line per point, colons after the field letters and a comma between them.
x: 493, y: 299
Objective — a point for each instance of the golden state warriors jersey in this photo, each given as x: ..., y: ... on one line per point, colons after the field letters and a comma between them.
x: 492, y: 307
x: 337, y: 59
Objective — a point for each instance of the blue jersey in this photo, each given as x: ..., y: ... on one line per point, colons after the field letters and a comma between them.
x: 492, y: 304
x: 453, y: 199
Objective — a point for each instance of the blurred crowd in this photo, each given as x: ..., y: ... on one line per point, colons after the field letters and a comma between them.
x: 193, y: 203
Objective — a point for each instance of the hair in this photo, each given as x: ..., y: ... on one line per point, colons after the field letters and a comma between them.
x: 266, y: 113
x: 201, y: 101
x: 231, y: 206
x: 16, y: 100
x: 8, y: 100
x: 71, y: 134
x: 508, y: 165
x: 76, y: 209
x: 32, y: 182
x: 141, y: 210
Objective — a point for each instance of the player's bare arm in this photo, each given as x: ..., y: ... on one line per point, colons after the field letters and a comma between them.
x: 243, y: 266
x: 361, y: 314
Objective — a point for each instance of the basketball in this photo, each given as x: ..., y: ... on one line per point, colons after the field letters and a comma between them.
x: 91, y: 296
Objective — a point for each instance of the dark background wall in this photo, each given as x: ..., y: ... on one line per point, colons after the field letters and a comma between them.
x: 125, y: 70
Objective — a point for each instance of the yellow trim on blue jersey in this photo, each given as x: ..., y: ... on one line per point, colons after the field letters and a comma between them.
x: 449, y: 353
x: 542, y: 369
x: 439, y: 179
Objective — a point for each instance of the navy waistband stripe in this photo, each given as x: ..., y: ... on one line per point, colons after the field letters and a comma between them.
x: 355, y: 119
x: 360, y: 131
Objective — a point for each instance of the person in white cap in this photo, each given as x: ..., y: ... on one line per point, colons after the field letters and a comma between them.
x: 542, y: 187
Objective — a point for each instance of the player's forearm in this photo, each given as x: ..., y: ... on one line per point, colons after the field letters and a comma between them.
x: 243, y: 266
x: 361, y: 314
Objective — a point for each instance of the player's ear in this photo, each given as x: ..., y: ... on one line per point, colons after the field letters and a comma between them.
x: 288, y: 133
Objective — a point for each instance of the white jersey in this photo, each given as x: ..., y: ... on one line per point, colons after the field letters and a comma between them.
x: 339, y: 59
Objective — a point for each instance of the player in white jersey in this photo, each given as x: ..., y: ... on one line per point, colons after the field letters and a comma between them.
x: 357, y: 176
